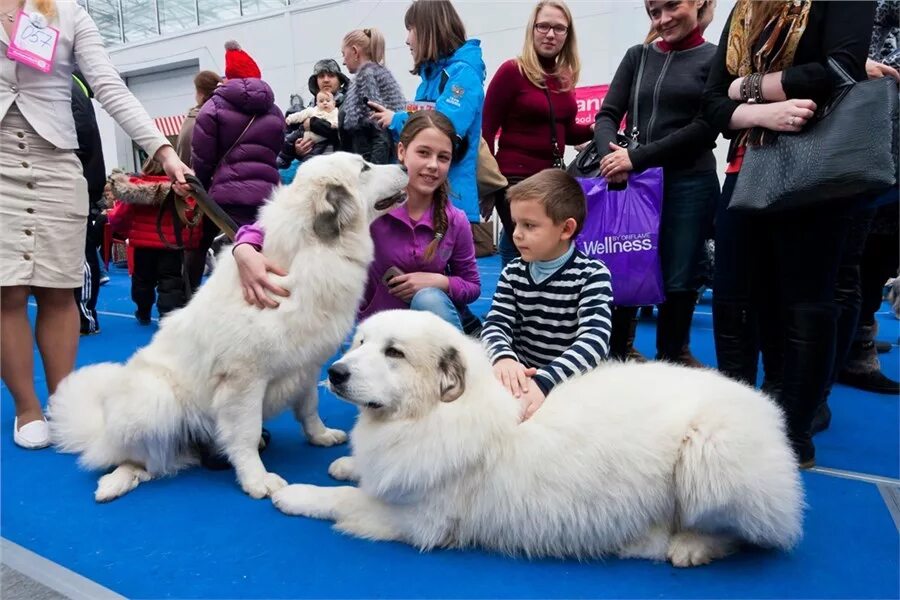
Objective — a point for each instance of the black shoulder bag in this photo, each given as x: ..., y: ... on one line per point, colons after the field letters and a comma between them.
x: 848, y: 150
x: 587, y: 163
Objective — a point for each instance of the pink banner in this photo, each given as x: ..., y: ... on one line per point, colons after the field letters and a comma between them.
x: 589, y: 99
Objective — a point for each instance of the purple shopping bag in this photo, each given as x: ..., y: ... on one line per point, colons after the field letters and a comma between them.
x: 622, y: 230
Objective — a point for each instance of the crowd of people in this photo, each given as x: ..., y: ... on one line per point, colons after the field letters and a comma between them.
x: 799, y: 288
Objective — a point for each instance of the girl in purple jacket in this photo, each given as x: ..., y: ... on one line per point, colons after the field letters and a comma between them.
x: 424, y: 254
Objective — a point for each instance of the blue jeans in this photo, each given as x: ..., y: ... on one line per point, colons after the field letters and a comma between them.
x: 438, y: 302
x: 689, y: 201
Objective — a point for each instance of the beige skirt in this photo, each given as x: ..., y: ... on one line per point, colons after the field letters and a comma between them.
x: 43, y: 209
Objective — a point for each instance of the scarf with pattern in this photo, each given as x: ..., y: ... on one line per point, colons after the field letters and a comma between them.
x: 772, y: 52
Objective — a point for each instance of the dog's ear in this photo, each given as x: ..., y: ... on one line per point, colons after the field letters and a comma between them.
x: 334, y: 212
x: 453, y: 375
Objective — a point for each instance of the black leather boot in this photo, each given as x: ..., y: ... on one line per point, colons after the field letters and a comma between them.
x: 771, y: 345
x: 737, y: 340
x: 624, y: 328
x: 673, y: 328
x: 809, y: 351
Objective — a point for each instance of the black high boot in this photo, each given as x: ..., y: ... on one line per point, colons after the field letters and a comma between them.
x: 809, y: 351
x: 673, y: 327
x: 771, y: 345
x: 737, y: 340
x: 621, y: 339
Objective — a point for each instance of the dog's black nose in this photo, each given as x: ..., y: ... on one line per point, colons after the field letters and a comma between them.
x: 338, y: 374
x: 403, y: 168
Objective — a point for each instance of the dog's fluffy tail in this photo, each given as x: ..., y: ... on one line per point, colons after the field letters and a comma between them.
x: 105, y: 413
x: 736, y: 473
x: 75, y: 411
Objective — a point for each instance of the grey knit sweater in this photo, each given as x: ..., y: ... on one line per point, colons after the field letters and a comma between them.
x: 373, y: 82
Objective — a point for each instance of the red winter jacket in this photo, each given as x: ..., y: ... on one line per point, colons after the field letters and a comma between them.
x: 135, y: 215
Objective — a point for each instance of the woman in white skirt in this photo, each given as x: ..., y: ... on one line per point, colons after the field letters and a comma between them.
x: 43, y: 195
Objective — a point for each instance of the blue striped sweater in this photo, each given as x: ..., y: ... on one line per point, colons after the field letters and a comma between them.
x: 560, y: 326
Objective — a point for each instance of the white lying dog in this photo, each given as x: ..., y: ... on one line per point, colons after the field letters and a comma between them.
x: 218, y: 367
x: 637, y: 460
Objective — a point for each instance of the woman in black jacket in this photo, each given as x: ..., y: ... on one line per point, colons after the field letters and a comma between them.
x: 665, y: 80
x: 780, y: 268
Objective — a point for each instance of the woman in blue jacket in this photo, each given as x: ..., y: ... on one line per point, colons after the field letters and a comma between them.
x: 453, y: 74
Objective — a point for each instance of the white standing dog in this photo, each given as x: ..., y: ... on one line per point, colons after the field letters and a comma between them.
x: 637, y: 460
x: 219, y: 366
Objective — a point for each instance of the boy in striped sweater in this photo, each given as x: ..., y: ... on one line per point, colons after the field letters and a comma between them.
x: 550, y: 316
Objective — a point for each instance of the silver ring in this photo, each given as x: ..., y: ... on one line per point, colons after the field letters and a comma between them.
x: 793, y: 121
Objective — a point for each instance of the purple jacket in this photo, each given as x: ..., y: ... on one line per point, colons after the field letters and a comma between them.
x: 400, y: 243
x: 247, y: 174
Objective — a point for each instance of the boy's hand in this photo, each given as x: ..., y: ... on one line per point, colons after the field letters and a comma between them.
x: 532, y: 400
x: 514, y: 376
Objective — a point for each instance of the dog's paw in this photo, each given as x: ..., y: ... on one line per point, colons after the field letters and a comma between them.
x: 302, y: 500
x: 118, y: 483
x: 690, y: 549
x: 264, y: 486
x: 329, y: 437
x: 343, y: 469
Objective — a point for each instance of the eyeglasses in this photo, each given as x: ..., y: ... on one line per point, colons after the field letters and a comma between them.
x: 544, y: 28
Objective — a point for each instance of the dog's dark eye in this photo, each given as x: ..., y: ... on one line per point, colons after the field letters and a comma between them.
x: 392, y: 352
x: 366, y: 167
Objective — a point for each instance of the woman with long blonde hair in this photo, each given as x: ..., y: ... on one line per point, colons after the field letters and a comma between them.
x: 531, y: 102
x: 768, y: 77
x: 44, y: 197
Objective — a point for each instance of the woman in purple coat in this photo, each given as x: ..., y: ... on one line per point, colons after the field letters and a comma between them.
x: 236, y: 141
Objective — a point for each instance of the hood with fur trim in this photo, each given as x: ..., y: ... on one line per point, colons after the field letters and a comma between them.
x: 139, y: 189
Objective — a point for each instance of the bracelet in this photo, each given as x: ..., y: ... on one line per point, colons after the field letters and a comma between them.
x: 745, y: 88
x: 751, y: 89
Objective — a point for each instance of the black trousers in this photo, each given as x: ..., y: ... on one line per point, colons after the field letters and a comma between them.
x: 158, y: 279
x: 783, y: 268
x: 880, y: 260
x: 86, y: 295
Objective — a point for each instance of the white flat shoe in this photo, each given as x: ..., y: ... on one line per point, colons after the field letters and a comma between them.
x: 33, y: 436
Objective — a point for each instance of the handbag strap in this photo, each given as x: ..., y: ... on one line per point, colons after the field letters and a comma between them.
x: 553, y: 140
x: 840, y: 71
x: 235, y: 143
x: 635, y: 86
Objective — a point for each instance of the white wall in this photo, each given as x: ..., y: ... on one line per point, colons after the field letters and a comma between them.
x: 287, y: 42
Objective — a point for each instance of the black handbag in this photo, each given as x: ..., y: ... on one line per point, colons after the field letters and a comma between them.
x: 587, y: 163
x: 847, y: 151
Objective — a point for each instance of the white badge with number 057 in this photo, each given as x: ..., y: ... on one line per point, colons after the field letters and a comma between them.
x: 33, y: 41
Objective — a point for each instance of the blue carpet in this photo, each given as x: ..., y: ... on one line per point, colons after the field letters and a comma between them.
x: 198, y: 536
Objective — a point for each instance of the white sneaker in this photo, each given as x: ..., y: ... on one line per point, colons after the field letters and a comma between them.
x: 34, y: 435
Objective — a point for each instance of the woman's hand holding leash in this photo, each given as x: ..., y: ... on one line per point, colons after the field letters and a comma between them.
x: 175, y: 169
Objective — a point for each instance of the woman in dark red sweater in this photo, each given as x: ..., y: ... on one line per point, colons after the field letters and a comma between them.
x: 518, y: 104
